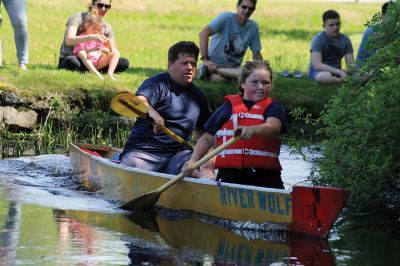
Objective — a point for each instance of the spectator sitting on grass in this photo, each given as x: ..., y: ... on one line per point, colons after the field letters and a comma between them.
x: 73, y: 37
x: 96, y: 55
x: 362, y: 53
x: 327, y: 50
x: 231, y: 35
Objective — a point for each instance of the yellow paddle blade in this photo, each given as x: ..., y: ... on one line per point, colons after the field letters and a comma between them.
x: 127, y: 104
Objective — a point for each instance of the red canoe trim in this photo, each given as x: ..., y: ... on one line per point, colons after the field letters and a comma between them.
x: 92, y: 152
x: 315, y: 209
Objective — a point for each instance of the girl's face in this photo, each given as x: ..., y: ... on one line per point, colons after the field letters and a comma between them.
x: 94, y: 29
x: 257, y: 86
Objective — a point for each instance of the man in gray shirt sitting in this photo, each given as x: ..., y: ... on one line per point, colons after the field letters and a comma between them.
x: 231, y: 35
x: 327, y: 50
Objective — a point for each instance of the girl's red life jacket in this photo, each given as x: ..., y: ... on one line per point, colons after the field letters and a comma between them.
x: 257, y: 152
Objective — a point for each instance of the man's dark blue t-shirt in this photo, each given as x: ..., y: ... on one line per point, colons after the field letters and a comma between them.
x: 183, y: 109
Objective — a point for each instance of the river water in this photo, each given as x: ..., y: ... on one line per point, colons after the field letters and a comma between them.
x: 47, y: 218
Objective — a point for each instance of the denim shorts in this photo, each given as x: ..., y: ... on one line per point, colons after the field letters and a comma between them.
x: 312, y: 73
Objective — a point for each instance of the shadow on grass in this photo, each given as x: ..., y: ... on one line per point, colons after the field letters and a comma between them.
x: 292, y: 92
x: 42, y: 66
x: 291, y: 34
x: 145, y: 70
x: 130, y: 70
x: 300, y: 34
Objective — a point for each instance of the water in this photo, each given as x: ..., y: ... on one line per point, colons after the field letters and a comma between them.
x: 46, y: 218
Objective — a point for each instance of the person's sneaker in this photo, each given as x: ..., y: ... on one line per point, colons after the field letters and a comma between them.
x: 23, y: 67
x: 202, y: 72
x: 297, y: 74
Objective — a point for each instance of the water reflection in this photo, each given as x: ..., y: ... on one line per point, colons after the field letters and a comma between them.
x: 159, y: 241
x: 370, y: 239
x: 81, y: 236
x: 47, y: 219
x: 10, y: 233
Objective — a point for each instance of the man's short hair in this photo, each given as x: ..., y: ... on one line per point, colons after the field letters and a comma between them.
x: 240, y: 2
x: 385, y: 7
x: 183, y: 48
x: 330, y: 14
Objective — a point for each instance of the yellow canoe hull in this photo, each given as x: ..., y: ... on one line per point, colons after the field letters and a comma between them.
x: 97, y: 170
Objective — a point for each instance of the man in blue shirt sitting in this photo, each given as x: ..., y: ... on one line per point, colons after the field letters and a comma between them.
x: 363, y: 53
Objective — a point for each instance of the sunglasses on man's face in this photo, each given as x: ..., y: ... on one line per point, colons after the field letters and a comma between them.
x: 250, y: 8
x: 101, y: 6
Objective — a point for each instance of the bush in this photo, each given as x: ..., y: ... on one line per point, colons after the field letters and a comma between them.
x: 362, y: 124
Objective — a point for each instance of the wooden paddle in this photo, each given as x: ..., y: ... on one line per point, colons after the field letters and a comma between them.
x: 148, y: 200
x: 127, y: 104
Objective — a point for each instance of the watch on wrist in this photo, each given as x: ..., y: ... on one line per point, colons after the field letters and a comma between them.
x: 204, y: 58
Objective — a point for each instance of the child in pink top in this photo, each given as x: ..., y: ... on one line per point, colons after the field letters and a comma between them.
x: 94, y: 54
x: 94, y: 50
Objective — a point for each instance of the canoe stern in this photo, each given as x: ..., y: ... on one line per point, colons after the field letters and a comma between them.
x: 315, y: 209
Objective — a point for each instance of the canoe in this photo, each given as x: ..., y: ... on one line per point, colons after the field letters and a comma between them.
x: 162, y: 237
x: 305, y: 210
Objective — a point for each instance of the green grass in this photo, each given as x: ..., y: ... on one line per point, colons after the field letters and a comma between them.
x: 145, y: 30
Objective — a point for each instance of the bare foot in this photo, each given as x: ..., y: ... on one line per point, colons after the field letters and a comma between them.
x: 112, y: 77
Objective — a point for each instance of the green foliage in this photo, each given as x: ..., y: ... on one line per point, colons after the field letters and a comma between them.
x: 16, y: 143
x: 65, y: 122
x: 363, y: 126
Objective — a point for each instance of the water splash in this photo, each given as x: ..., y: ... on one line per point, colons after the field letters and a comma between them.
x: 46, y: 180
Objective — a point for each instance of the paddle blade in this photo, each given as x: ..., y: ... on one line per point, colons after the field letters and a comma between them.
x: 129, y: 105
x: 142, y: 203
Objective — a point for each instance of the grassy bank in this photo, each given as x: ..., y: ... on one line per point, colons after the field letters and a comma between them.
x: 146, y: 29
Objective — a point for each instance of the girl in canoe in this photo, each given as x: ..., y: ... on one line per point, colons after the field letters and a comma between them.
x: 94, y: 54
x: 254, y: 159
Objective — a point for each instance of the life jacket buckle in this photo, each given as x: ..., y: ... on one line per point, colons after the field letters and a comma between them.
x: 247, y: 151
x: 242, y: 115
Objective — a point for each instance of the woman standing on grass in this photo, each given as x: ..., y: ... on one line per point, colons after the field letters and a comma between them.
x: 73, y: 37
x: 16, y: 10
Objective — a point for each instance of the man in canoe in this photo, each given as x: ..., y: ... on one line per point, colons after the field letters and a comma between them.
x: 254, y: 159
x: 173, y: 102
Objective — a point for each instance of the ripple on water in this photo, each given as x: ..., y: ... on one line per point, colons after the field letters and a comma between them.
x: 46, y: 181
